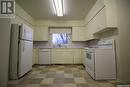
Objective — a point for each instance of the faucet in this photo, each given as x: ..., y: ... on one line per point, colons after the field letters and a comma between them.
x: 59, y: 45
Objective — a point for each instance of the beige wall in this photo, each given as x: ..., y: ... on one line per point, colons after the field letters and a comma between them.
x: 22, y: 16
x: 4, y: 50
x: 59, y: 23
x: 124, y: 40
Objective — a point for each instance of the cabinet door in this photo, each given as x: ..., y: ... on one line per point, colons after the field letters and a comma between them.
x: 77, y: 57
x: 62, y: 57
x: 96, y: 24
x: 78, y: 34
x: 84, y: 56
x: 100, y: 19
x: 93, y: 25
x: 95, y: 9
x: 41, y: 34
x: 44, y: 57
x: 67, y: 57
x: 90, y: 30
x: 105, y: 19
x: 56, y: 57
x: 87, y: 32
x: 35, y: 56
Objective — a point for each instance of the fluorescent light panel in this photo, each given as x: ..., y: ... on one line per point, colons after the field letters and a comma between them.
x: 59, y: 7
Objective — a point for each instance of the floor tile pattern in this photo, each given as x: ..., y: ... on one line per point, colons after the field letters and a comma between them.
x: 58, y: 76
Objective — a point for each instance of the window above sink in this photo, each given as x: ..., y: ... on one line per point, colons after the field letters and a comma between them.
x: 60, y: 37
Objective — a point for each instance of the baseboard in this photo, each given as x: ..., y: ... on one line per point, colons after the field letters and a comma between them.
x: 123, y: 82
x: 53, y: 64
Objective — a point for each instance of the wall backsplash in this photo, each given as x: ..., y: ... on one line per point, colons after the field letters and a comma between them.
x: 45, y: 44
x: 41, y: 44
x: 92, y: 43
x: 76, y: 44
x: 80, y: 44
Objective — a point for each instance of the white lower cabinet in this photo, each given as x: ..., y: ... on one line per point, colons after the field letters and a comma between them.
x: 44, y: 56
x: 66, y: 56
x: 77, y: 55
x: 58, y: 56
x: 61, y: 56
x: 35, y: 56
x: 84, y: 57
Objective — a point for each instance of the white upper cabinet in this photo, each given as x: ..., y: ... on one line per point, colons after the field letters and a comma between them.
x: 78, y: 34
x: 90, y: 29
x: 102, y: 16
x: 100, y: 21
x: 95, y: 9
x: 106, y: 18
x: 41, y: 34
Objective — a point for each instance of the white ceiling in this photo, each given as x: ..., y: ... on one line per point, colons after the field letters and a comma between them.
x: 43, y: 9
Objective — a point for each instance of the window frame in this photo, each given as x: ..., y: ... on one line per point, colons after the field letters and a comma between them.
x: 61, y: 45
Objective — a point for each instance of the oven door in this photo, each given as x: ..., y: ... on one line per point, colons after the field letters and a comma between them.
x: 89, y: 55
x: 90, y: 59
x: 90, y: 63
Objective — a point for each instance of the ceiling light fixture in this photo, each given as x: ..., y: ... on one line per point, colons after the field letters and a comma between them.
x: 58, y: 4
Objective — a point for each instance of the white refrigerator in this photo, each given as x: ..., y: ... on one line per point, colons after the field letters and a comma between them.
x: 21, y: 50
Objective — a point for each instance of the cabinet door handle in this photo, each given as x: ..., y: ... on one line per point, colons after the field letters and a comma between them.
x: 44, y: 51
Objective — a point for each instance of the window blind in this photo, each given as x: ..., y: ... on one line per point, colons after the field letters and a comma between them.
x: 60, y: 31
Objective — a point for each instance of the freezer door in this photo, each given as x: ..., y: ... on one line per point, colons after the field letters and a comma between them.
x: 25, y: 57
x: 26, y: 33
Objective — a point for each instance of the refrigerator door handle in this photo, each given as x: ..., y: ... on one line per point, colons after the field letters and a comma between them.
x: 24, y: 33
x: 23, y: 46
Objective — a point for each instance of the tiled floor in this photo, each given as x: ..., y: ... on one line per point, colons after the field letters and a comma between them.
x: 58, y: 76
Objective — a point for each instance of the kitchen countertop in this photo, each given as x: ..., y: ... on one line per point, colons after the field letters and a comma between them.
x: 62, y: 48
